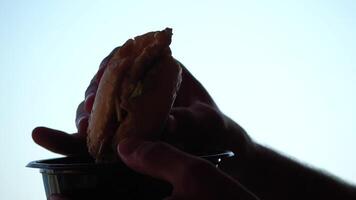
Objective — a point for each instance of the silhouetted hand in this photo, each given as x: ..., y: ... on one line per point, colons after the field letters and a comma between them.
x: 195, y: 125
x: 191, y: 177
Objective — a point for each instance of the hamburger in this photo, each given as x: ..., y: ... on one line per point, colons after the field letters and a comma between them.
x: 135, y: 94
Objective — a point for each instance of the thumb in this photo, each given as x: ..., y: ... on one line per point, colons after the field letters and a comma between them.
x: 157, y: 159
x: 191, y: 177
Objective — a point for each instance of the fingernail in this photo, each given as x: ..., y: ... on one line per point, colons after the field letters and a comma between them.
x: 89, y: 101
x: 127, y: 146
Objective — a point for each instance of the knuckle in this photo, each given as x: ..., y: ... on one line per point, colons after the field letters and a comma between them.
x: 81, y: 112
x: 92, y: 88
x: 184, y: 117
x: 80, y: 108
x: 211, y: 114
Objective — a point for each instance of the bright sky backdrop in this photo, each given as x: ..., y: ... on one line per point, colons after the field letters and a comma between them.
x: 284, y: 70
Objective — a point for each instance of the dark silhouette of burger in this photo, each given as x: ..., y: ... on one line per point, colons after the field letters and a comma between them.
x: 135, y: 94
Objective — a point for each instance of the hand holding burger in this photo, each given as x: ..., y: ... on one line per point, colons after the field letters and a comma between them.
x: 145, y: 102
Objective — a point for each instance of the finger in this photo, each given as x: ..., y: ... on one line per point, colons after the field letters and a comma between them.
x: 160, y: 160
x: 191, y: 177
x: 195, y: 129
x: 59, y: 141
x: 82, y: 119
x: 92, y: 88
x: 89, y: 102
x: 179, y: 120
x: 93, y: 85
x: 191, y: 91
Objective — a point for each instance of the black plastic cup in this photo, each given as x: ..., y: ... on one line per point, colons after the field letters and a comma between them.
x: 82, y: 178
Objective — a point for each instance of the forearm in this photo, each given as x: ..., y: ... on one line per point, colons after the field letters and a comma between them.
x: 272, y: 176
